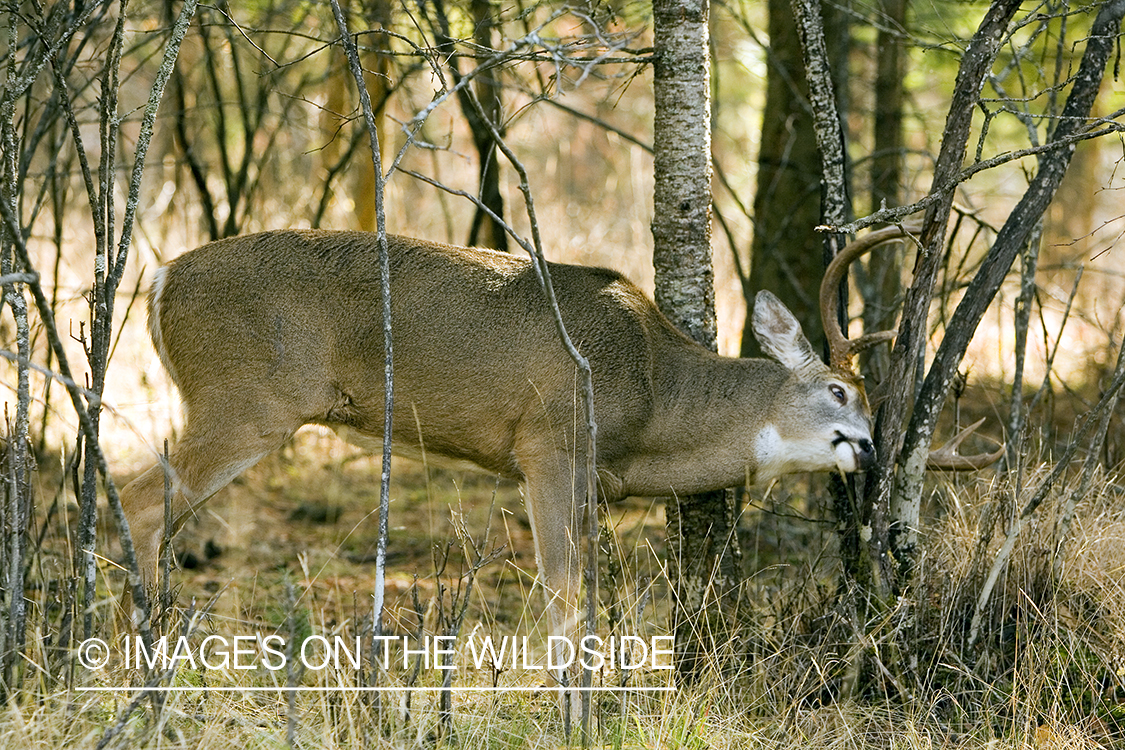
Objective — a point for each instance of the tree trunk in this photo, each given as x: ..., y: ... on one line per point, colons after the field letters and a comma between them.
x: 701, y: 527
x: 894, y: 528
x: 336, y: 155
x: 884, y: 269
x: 378, y: 61
x: 485, y: 231
x: 785, y: 255
x: 1013, y: 236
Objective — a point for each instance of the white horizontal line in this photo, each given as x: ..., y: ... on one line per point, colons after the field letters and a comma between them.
x: 347, y: 689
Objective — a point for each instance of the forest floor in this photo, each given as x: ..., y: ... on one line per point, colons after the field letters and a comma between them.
x: 288, y: 550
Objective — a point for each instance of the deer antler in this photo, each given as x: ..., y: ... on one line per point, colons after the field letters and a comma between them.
x: 840, y: 348
x: 947, y: 457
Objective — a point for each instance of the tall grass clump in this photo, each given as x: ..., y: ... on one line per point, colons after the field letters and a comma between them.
x: 1048, y: 661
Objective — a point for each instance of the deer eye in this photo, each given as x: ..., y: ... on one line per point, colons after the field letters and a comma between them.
x: 838, y: 394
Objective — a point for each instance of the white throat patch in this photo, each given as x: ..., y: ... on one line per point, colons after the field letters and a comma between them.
x: 777, y: 455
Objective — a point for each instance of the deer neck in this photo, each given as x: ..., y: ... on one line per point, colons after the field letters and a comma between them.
x: 708, y: 414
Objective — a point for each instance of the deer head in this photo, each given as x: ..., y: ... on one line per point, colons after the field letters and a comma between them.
x: 841, y: 349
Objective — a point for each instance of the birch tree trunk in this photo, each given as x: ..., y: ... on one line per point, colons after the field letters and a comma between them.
x: 681, y: 223
x: 702, y: 554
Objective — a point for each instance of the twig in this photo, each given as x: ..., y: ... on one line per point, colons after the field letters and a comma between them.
x: 534, y: 248
x: 18, y: 278
x: 896, y: 214
x: 1050, y: 363
x: 191, y: 620
x: 86, y: 412
x: 388, y: 350
x: 166, y: 552
x: 1028, y: 265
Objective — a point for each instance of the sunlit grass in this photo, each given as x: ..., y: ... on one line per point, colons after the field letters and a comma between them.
x: 1050, y: 672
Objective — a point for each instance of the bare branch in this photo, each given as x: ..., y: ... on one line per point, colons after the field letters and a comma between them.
x: 388, y: 349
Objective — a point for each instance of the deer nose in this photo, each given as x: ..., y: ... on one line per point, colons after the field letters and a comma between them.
x: 865, y: 454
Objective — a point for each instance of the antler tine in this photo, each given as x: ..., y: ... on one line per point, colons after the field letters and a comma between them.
x: 947, y: 457
x: 840, y: 349
x: 868, y: 340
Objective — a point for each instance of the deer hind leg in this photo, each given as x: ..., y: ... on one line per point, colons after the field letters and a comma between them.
x: 210, y: 454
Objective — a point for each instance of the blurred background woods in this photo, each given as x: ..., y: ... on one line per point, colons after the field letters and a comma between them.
x: 258, y: 128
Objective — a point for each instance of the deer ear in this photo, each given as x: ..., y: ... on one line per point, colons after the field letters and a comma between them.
x: 781, y: 337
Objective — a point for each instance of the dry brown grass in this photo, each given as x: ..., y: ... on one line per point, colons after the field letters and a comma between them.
x: 1048, y: 673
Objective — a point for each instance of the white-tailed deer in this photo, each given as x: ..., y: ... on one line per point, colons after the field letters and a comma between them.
x: 265, y: 333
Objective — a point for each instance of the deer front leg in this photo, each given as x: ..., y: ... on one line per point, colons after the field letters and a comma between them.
x: 556, y: 504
